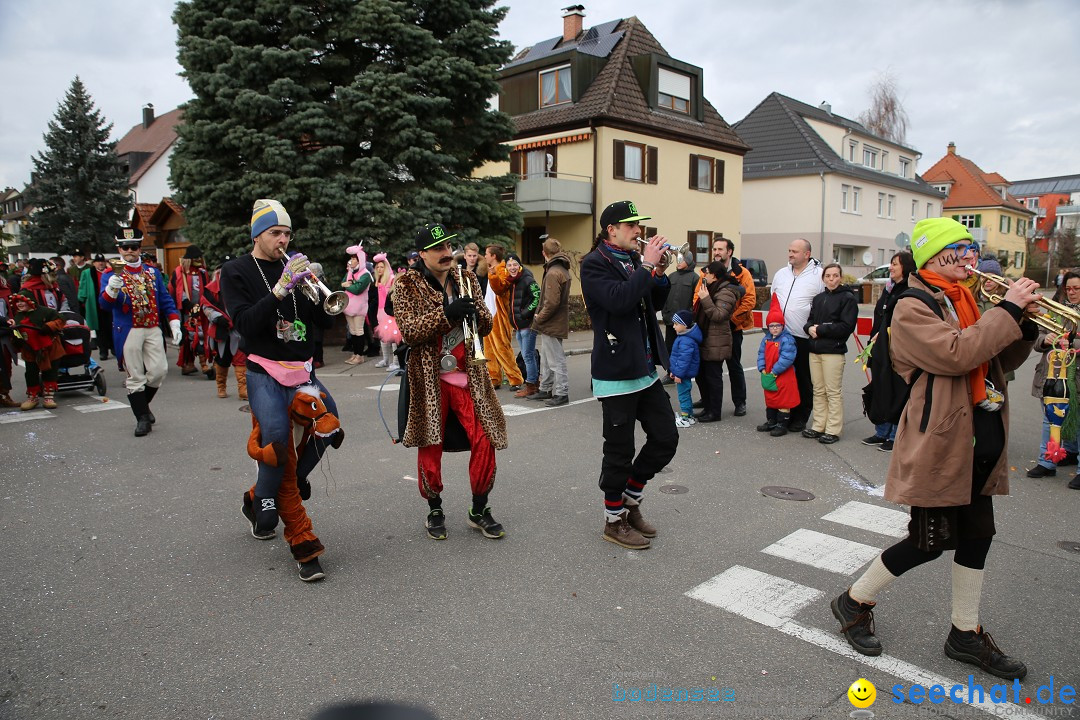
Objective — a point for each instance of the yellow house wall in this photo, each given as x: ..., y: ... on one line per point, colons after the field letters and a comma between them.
x: 997, y: 240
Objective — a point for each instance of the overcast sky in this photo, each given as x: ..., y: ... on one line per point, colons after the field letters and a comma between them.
x: 998, y: 78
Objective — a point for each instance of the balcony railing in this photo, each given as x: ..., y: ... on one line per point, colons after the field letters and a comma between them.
x: 551, y: 193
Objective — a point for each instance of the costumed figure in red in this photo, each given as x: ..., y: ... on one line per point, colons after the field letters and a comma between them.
x: 37, y: 334
x: 776, y: 358
x: 7, y: 346
x: 40, y: 281
x: 224, y: 341
x: 187, y: 287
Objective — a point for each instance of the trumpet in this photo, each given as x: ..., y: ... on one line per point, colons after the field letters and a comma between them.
x: 472, y: 334
x: 1062, y: 320
x: 336, y: 300
x: 671, y: 254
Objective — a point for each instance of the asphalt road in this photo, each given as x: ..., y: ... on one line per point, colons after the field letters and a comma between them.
x: 134, y: 590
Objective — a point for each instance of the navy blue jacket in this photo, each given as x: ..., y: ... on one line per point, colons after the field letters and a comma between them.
x: 686, y: 354
x: 622, y: 309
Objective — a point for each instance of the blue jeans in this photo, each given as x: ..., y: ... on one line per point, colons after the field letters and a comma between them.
x: 686, y: 401
x: 885, y: 430
x: 269, y: 403
x: 1070, y: 445
x: 527, y: 341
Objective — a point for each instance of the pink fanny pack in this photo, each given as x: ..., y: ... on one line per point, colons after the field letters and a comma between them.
x: 289, y: 373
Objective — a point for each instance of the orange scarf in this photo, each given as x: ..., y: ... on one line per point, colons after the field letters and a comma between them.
x: 967, y: 314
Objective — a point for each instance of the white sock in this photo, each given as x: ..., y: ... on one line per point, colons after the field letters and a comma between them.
x: 966, y: 593
x: 876, y: 578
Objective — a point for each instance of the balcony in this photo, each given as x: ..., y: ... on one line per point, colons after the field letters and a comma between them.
x: 552, y: 193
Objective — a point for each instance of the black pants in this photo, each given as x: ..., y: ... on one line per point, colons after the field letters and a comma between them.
x: 652, y: 408
x: 669, y: 338
x: 735, y: 371
x: 801, y: 413
x: 711, y: 381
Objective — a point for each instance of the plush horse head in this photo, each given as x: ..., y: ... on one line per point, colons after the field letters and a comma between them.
x: 307, y: 411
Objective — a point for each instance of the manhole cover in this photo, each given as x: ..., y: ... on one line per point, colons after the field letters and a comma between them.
x: 674, y: 489
x: 786, y: 493
x: 1071, y: 545
x: 245, y: 408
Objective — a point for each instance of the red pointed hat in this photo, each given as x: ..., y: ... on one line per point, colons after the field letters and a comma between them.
x: 776, y: 315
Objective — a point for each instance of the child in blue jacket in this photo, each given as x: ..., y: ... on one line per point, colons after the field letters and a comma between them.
x: 685, y: 362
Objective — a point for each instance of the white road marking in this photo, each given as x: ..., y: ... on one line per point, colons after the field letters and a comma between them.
x: 99, y: 406
x: 773, y: 601
x: 881, y: 520
x: 763, y: 598
x: 513, y: 410
x: 822, y: 551
x: 24, y: 416
x: 389, y: 387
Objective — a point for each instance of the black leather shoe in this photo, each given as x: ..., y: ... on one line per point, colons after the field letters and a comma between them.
x: 779, y: 430
x: 827, y: 438
x: 1074, y: 484
x: 857, y: 624
x: 740, y: 410
x: 797, y: 426
x: 707, y: 417
x: 811, y: 433
x: 765, y: 426
x: 699, y: 404
x: 1040, y: 471
x: 976, y: 647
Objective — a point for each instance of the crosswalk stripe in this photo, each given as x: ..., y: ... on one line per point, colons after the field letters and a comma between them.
x: 822, y: 551
x: 763, y: 598
x: 774, y: 601
x: 99, y: 406
x: 881, y: 520
x: 24, y: 416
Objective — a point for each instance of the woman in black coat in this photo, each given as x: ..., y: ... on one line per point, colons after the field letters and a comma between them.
x: 833, y: 314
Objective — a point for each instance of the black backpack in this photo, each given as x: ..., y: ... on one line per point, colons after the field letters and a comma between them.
x: 885, y: 396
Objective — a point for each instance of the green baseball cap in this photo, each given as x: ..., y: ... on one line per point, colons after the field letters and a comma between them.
x: 431, y: 235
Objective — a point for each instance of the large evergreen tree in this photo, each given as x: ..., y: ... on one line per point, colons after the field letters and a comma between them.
x: 79, y: 190
x: 364, y: 118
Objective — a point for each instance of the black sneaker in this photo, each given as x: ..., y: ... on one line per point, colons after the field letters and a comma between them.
x: 486, y: 524
x: 1074, y: 484
x: 740, y: 410
x: 248, y: 509
x: 436, y: 525
x: 856, y: 624
x: 886, y: 446
x: 1070, y: 459
x: 976, y: 647
x: 828, y: 438
x: 1040, y: 471
x: 811, y: 433
x: 311, y: 570
x: 874, y: 440
x: 765, y: 426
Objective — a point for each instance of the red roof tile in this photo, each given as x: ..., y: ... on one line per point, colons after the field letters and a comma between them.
x: 970, y: 187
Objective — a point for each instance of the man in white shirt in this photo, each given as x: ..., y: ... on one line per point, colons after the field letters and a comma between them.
x: 795, y: 286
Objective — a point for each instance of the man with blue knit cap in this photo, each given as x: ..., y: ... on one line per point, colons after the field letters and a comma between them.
x: 262, y: 293
x: 949, y: 456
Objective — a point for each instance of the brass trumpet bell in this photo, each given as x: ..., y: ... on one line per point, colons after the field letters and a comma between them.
x: 1058, y: 319
x: 336, y: 301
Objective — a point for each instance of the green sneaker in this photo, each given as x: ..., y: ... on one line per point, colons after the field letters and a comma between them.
x: 486, y: 524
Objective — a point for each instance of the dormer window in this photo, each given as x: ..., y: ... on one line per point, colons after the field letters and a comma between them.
x: 555, y: 86
x: 674, y: 91
x: 869, y: 157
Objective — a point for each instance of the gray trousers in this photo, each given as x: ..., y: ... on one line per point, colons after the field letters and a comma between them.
x: 553, y: 366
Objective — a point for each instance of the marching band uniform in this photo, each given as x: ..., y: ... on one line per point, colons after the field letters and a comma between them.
x: 187, y: 286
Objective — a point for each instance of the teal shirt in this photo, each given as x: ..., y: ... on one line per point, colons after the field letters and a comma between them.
x: 611, y: 388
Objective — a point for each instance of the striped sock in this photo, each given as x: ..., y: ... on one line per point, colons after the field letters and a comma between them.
x: 634, y: 489
x: 613, y: 506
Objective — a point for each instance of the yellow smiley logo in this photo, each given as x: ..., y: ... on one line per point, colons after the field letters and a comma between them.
x: 862, y: 693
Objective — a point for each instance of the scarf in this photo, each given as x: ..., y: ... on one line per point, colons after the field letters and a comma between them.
x: 967, y: 314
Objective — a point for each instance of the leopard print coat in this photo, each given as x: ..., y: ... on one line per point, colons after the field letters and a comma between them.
x: 418, y: 309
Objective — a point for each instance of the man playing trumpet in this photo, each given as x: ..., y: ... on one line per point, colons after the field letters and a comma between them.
x: 452, y: 404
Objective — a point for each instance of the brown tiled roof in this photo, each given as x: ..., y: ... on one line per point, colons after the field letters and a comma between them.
x: 615, y: 98
x: 970, y: 187
x: 155, y: 140
x: 143, y: 213
x: 164, y: 208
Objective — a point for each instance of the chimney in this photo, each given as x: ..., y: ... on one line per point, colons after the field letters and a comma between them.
x: 571, y: 22
x: 147, y: 115
x: 826, y: 107
x: 952, y: 148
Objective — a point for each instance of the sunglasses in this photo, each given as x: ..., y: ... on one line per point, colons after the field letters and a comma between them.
x: 963, y: 248
x: 129, y: 246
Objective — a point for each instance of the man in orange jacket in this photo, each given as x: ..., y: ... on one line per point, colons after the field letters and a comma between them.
x: 497, y: 344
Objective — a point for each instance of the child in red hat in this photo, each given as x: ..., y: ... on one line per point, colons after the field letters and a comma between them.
x: 775, y: 359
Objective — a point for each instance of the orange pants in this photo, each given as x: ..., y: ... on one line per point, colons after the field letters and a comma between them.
x: 500, y: 356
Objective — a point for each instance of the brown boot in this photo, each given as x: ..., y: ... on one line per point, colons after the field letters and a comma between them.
x: 527, y: 389
x: 620, y: 533
x: 241, y: 381
x: 188, y: 369
x: 5, y: 399
x: 221, y: 374
x: 31, y: 402
x: 636, y: 521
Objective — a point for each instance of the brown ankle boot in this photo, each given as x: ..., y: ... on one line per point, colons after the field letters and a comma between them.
x: 620, y: 533
x: 526, y: 390
x: 636, y: 521
x: 6, y: 401
x: 241, y: 381
x: 221, y: 374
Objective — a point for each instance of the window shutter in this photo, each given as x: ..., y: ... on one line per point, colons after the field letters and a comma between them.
x: 978, y: 220
x: 553, y: 151
x: 651, y: 156
x: 620, y: 160
x: 956, y: 218
x: 718, y: 174
x: 693, y: 171
x: 515, y: 162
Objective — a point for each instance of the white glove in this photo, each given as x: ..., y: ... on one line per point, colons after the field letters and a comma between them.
x: 113, y: 288
x: 174, y: 325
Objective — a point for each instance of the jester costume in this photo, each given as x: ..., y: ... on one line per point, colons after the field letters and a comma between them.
x: 187, y: 287
x: 223, y: 341
x: 37, y: 334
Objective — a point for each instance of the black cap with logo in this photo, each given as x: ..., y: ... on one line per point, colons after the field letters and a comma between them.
x: 431, y: 235
x: 620, y: 212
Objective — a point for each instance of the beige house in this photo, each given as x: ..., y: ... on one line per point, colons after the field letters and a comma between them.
x: 820, y: 176
x: 603, y: 115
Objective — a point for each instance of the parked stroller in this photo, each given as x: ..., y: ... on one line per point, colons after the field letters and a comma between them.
x: 77, y: 357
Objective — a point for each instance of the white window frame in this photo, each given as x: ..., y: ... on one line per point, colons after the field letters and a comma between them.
x: 853, y: 148
x: 540, y: 86
x: 1018, y: 258
x: 1005, y: 224
x: 856, y: 196
x: 905, y: 166
x: 943, y: 189
x: 640, y: 166
x: 872, y: 153
x: 881, y: 204
x: 929, y: 209
x: 967, y: 221
x: 670, y: 100
x: 845, y: 190
x: 892, y: 207
x: 914, y: 208
x: 1032, y: 203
